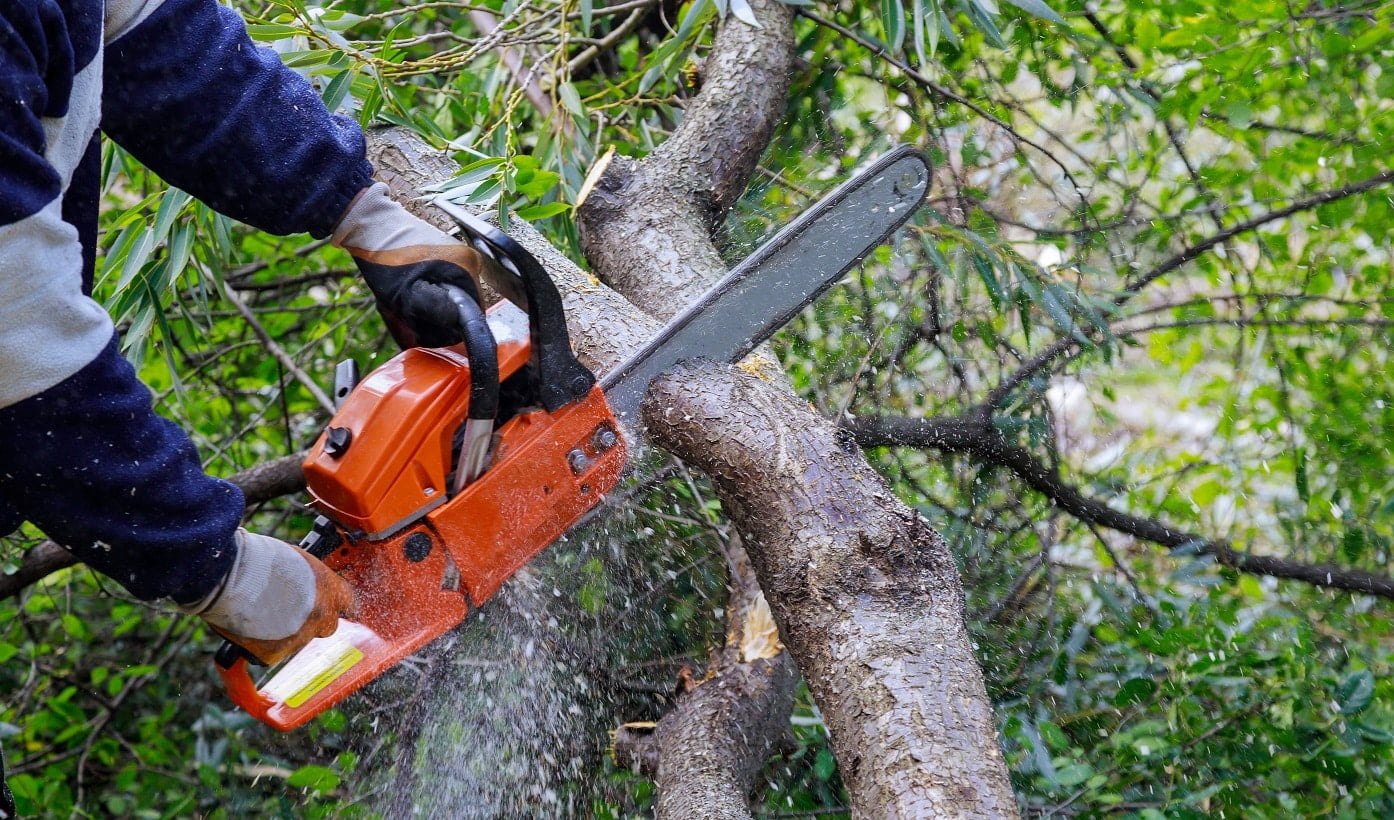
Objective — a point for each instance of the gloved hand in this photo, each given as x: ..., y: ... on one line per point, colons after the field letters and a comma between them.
x: 404, y: 261
x: 275, y: 599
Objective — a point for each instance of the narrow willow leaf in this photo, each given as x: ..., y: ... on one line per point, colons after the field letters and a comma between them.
x: 696, y: 14
x: 268, y: 32
x: 650, y: 77
x: 338, y: 89
x: 932, y: 23
x: 1355, y: 692
x: 1039, y: 9
x: 918, y: 20
x: 893, y: 18
x: 741, y: 8
x: 587, y: 12
x: 136, y: 258
x: 306, y: 59
x: 171, y: 204
x: 571, y: 99
x: 484, y: 193
x: 982, y: 19
x: 989, y: 277
x: 339, y: 20
x: 180, y: 246
x: 535, y: 212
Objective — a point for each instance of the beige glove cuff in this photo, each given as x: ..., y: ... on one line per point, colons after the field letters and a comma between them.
x: 375, y: 223
x: 267, y: 595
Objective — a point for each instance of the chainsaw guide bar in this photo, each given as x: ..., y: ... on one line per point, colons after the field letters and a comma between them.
x: 436, y: 482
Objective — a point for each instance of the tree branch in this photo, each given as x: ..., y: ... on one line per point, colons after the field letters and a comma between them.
x: 824, y: 532
x: 1063, y: 345
x: 867, y: 596
x: 646, y: 227
x: 979, y: 438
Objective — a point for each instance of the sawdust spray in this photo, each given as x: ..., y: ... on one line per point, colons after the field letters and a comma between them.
x: 509, y: 716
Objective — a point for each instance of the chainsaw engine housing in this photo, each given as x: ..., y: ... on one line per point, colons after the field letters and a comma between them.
x: 418, y: 557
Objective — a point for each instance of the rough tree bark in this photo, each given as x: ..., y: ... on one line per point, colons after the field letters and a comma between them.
x: 705, y: 754
x: 866, y: 594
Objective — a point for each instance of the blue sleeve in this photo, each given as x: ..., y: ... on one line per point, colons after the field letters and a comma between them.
x: 92, y: 465
x: 34, y: 54
x: 189, y: 94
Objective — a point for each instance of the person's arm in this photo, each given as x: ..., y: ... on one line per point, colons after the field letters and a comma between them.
x: 189, y: 94
x: 92, y: 465
x: 82, y: 453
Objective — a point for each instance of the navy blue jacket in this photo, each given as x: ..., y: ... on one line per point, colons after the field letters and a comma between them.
x: 179, y: 84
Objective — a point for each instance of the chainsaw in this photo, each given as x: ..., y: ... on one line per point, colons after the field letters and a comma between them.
x: 445, y: 470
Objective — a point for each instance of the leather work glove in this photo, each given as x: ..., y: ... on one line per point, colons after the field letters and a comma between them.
x: 404, y: 261
x: 275, y: 599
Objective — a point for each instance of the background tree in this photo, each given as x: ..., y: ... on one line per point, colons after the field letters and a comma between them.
x: 1146, y: 309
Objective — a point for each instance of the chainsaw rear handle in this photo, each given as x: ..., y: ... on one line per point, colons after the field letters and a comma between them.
x: 561, y: 378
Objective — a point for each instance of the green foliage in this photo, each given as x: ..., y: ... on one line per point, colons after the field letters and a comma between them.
x: 1238, y: 395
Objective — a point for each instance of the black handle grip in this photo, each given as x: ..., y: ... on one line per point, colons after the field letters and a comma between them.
x: 561, y: 378
x: 483, y: 354
x: 228, y: 654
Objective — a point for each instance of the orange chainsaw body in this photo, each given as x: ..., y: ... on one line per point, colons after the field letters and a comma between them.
x: 419, y: 559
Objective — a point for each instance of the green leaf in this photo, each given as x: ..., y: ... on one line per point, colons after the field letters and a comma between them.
x: 338, y: 89
x: 918, y: 20
x: 1073, y: 774
x: 484, y: 193
x: 319, y: 778
x: 824, y: 764
x: 536, y: 212
x: 1355, y: 692
x: 893, y: 18
x: 333, y: 721
x: 267, y: 32
x: 741, y: 8
x: 1052, y: 735
x: 536, y: 184
x: 1039, y: 9
x: 339, y: 20
x: 571, y: 99
x: 171, y: 204
x: 475, y: 172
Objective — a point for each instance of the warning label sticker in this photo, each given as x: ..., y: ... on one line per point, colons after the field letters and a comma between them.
x: 320, y: 663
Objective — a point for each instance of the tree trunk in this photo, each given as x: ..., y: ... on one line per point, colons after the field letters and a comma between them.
x: 866, y: 594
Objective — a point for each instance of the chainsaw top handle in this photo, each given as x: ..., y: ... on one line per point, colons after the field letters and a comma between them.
x: 561, y: 378
x: 483, y: 355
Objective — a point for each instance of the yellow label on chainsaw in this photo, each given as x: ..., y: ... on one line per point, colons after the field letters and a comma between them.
x: 338, y: 667
x: 320, y: 663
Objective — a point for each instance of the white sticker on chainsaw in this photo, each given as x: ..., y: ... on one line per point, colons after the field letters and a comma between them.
x: 320, y: 663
